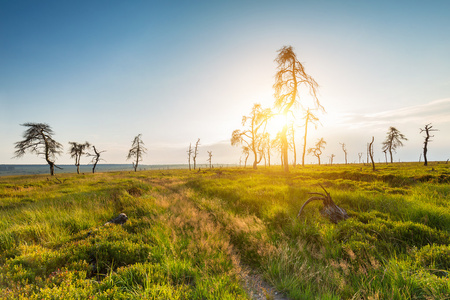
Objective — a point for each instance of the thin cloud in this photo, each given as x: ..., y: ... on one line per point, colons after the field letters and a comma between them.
x: 437, y: 111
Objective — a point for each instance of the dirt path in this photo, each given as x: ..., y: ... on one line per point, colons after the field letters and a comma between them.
x: 258, y: 289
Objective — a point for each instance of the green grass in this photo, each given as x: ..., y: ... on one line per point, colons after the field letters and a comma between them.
x: 190, y: 235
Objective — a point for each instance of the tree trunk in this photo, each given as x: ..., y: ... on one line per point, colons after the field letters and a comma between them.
x: 78, y: 169
x: 304, y: 143
x: 284, y: 149
x: 52, y: 168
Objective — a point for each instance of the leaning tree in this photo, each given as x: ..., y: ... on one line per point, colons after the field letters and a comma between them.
x: 38, y: 139
x: 95, y: 157
x: 428, y: 128
x: 393, y: 140
x: 289, y: 78
x: 317, y: 150
x: 136, y: 151
x: 76, y: 151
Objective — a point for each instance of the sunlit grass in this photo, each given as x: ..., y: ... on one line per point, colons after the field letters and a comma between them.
x: 190, y: 234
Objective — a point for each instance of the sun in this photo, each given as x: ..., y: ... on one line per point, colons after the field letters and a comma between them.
x: 275, y: 125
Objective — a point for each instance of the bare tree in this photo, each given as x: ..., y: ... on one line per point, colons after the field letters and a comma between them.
x: 359, y: 156
x: 38, y: 139
x: 95, y: 157
x: 195, y: 153
x: 289, y: 77
x: 189, y: 152
x: 209, y: 158
x: 76, y: 151
x: 137, y: 151
x: 331, y: 158
x: 266, y: 147
x: 292, y: 138
x: 253, y: 135
x: 428, y: 128
x: 246, y: 152
x: 345, y: 151
x: 371, y: 153
x: 309, y: 118
x: 317, y: 150
x: 385, y: 155
x: 393, y: 140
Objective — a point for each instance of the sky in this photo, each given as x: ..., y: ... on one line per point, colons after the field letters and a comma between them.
x: 176, y: 71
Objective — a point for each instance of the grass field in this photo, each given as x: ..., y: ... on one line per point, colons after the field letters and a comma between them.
x: 197, y: 235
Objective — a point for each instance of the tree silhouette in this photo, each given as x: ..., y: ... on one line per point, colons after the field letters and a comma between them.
x: 289, y: 78
x: 331, y: 158
x: 345, y: 151
x: 195, y: 153
x: 246, y: 152
x: 428, y: 128
x: 189, y: 152
x: 292, y: 138
x: 137, y: 151
x: 76, y: 151
x: 309, y: 118
x: 393, y: 140
x: 38, y: 139
x: 209, y: 158
x: 253, y: 135
x: 95, y: 157
x: 317, y: 150
x: 370, y: 151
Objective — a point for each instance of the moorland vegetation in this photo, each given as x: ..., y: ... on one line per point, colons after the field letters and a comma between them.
x: 200, y: 235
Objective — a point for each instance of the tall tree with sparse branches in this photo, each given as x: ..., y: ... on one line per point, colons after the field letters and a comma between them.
x: 137, y: 151
x: 210, y: 158
x: 195, y: 153
x: 309, y: 118
x: 317, y: 150
x: 253, y: 135
x: 370, y: 150
x: 38, y: 140
x: 428, y: 128
x: 345, y: 151
x: 393, y: 140
x: 95, y: 157
x: 289, y: 78
x: 76, y: 151
x: 189, y: 152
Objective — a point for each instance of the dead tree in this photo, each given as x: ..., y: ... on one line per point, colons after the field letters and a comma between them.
x: 76, y: 151
x: 194, y: 155
x: 427, y: 130
x: 246, y: 152
x: 209, y: 158
x: 289, y: 78
x: 38, y: 139
x: 317, y: 150
x: 331, y: 159
x: 345, y: 151
x: 252, y: 135
x: 385, y: 155
x: 95, y: 157
x: 359, y: 156
x: 189, y: 152
x: 330, y: 210
x: 309, y: 118
x: 393, y: 140
x: 137, y: 151
x: 371, y: 153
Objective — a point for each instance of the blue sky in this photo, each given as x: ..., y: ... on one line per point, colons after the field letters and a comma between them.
x: 175, y: 71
